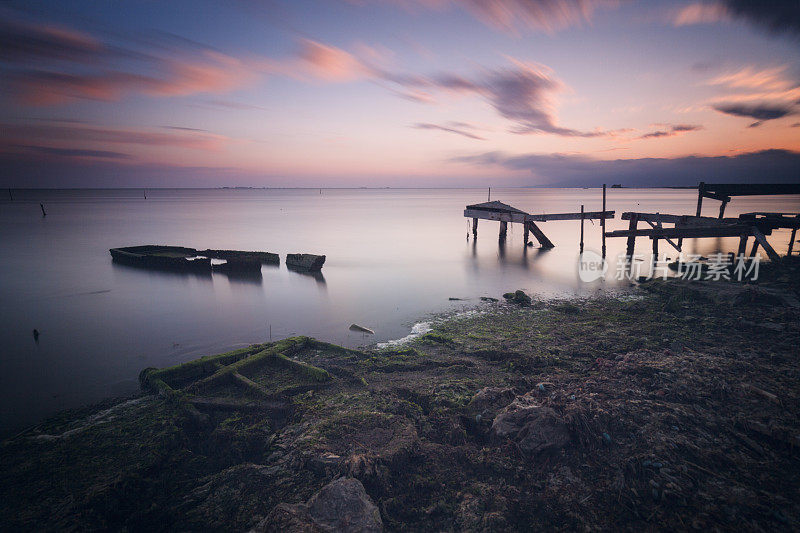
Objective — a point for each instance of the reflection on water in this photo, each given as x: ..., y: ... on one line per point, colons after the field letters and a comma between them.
x: 393, y: 256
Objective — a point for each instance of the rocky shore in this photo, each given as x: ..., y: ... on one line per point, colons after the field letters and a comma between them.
x: 672, y: 407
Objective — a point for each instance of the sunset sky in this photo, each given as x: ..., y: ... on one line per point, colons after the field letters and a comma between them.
x: 398, y: 93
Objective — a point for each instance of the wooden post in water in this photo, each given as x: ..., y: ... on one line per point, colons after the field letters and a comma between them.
x: 489, y: 199
x: 603, y: 220
x: 700, y: 190
x: 525, y: 232
x: 581, y: 228
x: 503, y: 230
x: 11, y: 196
x: 632, y: 235
x: 474, y: 228
x: 742, y: 245
x: 44, y: 214
x: 791, y: 241
x: 722, y: 208
x: 755, y: 248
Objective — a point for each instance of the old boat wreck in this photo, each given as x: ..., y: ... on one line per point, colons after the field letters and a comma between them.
x: 182, y: 259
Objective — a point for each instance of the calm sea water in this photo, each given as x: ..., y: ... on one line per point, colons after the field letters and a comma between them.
x: 394, y: 258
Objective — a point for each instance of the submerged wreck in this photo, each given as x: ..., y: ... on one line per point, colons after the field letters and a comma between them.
x: 182, y: 259
x: 175, y: 258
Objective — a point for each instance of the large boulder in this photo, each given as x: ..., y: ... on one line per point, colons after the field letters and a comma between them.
x: 341, y: 506
x: 534, y: 428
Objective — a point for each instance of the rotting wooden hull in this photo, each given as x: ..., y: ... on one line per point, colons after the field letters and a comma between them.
x: 175, y: 258
x: 306, y: 262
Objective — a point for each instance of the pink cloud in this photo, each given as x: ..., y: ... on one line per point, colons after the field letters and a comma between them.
x: 700, y: 13
x: 514, y: 15
x: 329, y: 63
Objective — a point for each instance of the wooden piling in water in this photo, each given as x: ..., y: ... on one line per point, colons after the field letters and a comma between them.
x: 603, y: 221
x: 44, y: 213
x: 474, y: 228
x: 632, y: 227
x: 791, y: 241
x: 742, y: 245
x: 582, y: 218
x: 11, y: 196
x: 503, y: 230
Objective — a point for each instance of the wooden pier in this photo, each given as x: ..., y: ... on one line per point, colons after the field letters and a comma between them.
x: 756, y: 225
x: 506, y: 214
x: 724, y: 191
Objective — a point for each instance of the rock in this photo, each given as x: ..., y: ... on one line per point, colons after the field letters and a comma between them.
x: 534, y: 428
x: 305, y: 261
x: 322, y: 465
x: 518, y: 297
x: 362, y: 329
x: 488, y: 299
x: 488, y: 401
x: 341, y: 506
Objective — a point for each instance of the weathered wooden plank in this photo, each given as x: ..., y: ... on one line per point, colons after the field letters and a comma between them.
x: 670, y: 241
x: 544, y: 242
x: 544, y: 217
x: 495, y: 215
x: 593, y: 215
x: 761, y: 239
x: 675, y: 219
x: 687, y: 232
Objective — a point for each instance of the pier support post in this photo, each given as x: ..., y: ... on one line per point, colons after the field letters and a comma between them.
x: 722, y: 207
x: 503, y: 230
x: 791, y: 241
x: 474, y: 228
x: 742, y: 245
x: 632, y: 234
x: 525, y: 232
x: 581, y: 228
x: 603, y: 221
x: 544, y: 242
x: 754, y: 249
x: 701, y: 188
x: 655, y: 247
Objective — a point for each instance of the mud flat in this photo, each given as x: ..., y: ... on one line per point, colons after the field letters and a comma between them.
x: 672, y: 407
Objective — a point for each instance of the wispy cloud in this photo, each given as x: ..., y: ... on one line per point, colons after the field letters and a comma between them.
x: 700, y: 13
x: 329, y: 63
x: 671, y: 131
x: 459, y: 128
x: 514, y: 16
x: 761, y: 113
x: 776, y: 16
x: 24, y: 135
x: 72, y: 152
x: 26, y: 42
x: 752, y: 84
x: 47, y: 65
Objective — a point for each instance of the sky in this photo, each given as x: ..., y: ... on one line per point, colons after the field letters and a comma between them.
x: 398, y: 93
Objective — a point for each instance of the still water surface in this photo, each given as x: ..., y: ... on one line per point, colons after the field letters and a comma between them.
x: 394, y: 257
